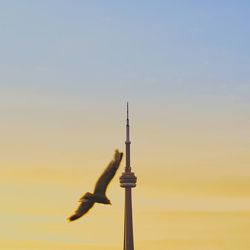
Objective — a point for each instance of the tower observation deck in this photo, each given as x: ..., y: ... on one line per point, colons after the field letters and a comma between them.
x: 128, y: 181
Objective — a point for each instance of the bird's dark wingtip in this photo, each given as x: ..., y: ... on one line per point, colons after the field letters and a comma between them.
x: 118, y: 155
x: 71, y: 218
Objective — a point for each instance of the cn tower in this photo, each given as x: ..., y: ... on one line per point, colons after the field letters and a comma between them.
x: 128, y: 181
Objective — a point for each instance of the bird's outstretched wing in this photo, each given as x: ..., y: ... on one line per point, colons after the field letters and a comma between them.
x: 108, y: 174
x: 84, y: 207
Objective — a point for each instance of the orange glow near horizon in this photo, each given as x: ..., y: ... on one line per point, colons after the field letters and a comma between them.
x: 186, y: 202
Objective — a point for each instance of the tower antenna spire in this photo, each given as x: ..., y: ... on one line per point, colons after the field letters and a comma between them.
x: 127, y: 139
x: 127, y: 112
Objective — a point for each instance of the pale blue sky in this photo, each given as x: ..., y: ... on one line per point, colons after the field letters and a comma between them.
x: 142, y: 48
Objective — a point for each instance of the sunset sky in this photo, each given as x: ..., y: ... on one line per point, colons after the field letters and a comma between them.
x: 67, y: 69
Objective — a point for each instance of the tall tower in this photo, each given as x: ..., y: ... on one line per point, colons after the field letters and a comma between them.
x: 128, y: 181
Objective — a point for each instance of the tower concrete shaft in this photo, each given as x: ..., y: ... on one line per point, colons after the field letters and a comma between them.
x: 128, y: 181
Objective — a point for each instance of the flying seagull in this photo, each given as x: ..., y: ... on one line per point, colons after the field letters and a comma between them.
x: 88, y: 199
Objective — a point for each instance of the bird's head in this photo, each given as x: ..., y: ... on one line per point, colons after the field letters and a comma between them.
x: 107, y: 201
